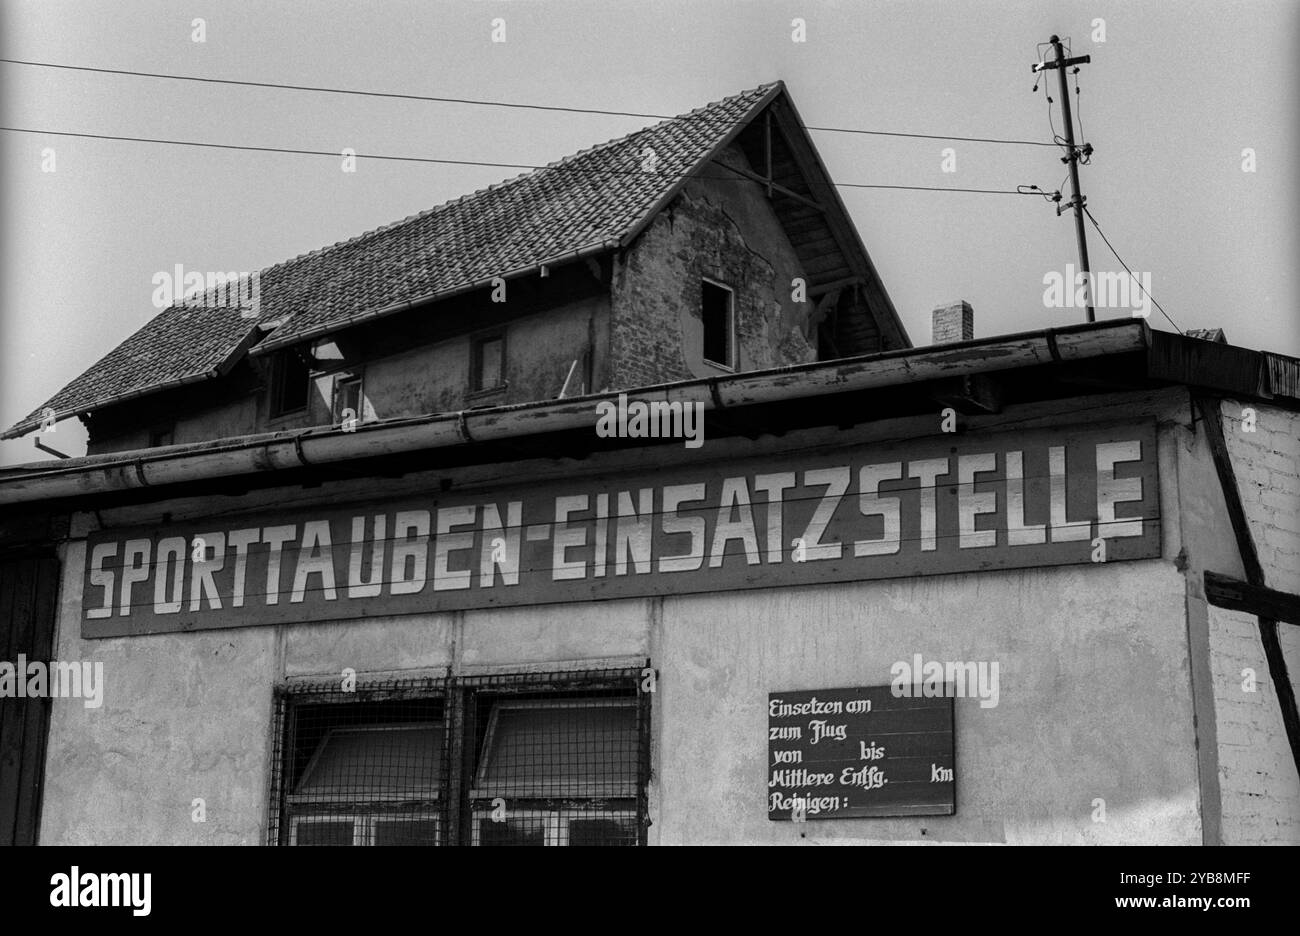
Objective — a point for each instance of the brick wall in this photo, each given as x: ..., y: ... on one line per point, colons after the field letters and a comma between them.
x: 952, y: 322
x: 1260, y: 791
x: 725, y: 230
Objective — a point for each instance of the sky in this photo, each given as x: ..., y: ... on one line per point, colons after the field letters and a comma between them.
x: 1173, y: 98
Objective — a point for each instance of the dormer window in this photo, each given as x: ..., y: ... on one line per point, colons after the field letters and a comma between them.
x: 718, y: 312
x: 290, y: 382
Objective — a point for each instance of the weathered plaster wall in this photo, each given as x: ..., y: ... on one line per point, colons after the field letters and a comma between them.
x: 436, y: 378
x: 541, y: 348
x: 188, y: 716
x: 123, y: 442
x: 432, y: 378
x: 1094, y: 703
x: 184, y: 717
x: 1094, y: 679
x: 724, y: 230
x: 222, y: 422
x: 539, y: 351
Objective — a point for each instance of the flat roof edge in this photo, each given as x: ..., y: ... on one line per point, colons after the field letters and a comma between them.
x: 1169, y: 357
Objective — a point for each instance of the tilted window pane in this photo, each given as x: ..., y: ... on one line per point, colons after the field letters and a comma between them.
x: 380, y: 761
x: 579, y: 749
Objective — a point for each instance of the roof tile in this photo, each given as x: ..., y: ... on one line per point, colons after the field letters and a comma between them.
x: 592, y: 197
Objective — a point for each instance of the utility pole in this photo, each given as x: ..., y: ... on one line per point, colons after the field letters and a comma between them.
x: 1077, y: 200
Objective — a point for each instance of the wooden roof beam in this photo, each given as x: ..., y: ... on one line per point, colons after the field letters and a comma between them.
x: 820, y: 288
x: 771, y: 185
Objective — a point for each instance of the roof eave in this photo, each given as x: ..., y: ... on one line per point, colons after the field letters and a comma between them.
x: 858, y: 255
x: 633, y: 232
x: 224, y: 367
x: 93, y: 476
x: 18, y: 430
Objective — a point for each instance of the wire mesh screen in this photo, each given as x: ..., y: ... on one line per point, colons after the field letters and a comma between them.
x: 556, y: 764
x: 363, y: 767
x: 524, y: 759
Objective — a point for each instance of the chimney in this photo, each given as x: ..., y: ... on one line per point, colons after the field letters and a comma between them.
x: 952, y: 322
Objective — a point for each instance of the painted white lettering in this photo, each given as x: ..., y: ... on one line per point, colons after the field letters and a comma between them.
x: 674, y: 496
x: 568, y: 536
x: 446, y: 542
x: 870, y: 503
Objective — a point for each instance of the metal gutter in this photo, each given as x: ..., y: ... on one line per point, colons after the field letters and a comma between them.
x: 277, y: 451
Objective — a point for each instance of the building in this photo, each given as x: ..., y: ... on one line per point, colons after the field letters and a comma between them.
x: 680, y: 542
x: 654, y: 258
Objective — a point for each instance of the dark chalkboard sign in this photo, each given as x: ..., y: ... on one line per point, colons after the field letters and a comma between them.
x: 856, y: 753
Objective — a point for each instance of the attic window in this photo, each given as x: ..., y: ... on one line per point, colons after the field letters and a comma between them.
x: 348, y: 399
x: 718, y: 311
x: 289, y: 383
x: 488, y: 364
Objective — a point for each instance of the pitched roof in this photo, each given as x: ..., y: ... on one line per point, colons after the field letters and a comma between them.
x: 598, y: 198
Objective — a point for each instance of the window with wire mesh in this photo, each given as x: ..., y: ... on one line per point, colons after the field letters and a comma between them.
x: 538, y: 760
x: 556, y: 767
x: 361, y: 768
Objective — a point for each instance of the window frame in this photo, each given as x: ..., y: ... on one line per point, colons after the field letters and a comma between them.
x: 476, y: 342
x: 555, y: 822
x: 457, y: 704
x: 316, y: 818
x: 364, y: 825
x: 279, y: 377
x: 338, y: 380
x: 733, y: 351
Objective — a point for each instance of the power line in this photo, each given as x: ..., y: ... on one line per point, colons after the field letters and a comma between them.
x: 1127, y: 270
x: 928, y: 136
x: 469, y: 162
x: 486, y: 103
